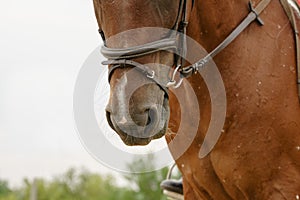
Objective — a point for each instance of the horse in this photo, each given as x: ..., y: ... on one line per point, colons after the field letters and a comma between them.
x: 257, y: 155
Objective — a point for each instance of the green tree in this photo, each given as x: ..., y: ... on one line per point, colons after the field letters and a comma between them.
x: 146, y: 184
x: 4, y: 189
x: 84, y: 185
x: 5, y: 192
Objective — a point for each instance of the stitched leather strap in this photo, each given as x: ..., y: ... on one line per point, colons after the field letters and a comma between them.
x: 189, y: 70
x: 141, y: 50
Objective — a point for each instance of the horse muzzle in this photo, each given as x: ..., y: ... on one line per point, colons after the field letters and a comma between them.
x: 139, y: 128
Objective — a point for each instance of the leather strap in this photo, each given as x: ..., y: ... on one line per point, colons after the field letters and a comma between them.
x: 290, y: 13
x: 186, y: 71
x: 141, y: 50
x: 119, y: 58
x: 148, y: 48
x: 253, y: 15
x: 261, y: 6
x: 144, y: 69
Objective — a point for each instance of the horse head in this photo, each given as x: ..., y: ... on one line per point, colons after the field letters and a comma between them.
x: 138, y: 108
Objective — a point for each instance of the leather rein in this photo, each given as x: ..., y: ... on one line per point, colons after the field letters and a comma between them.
x: 121, y: 57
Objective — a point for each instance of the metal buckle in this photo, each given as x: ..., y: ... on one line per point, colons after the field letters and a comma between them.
x: 151, y: 75
x: 172, y: 82
x: 252, y: 9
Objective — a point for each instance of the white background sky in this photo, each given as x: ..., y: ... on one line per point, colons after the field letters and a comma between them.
x: 43, y: 45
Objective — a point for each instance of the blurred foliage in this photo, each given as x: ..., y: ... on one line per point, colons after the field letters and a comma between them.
x: 84, y: 185
x: 147, y: 184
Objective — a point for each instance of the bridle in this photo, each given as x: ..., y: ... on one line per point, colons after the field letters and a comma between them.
x: 121, y: 57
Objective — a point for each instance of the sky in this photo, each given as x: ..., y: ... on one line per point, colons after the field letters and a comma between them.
x: 43, y: 46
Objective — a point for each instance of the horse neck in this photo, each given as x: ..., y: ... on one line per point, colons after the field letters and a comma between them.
x: 210, y: 23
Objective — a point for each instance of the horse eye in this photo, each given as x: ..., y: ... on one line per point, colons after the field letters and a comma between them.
x: 101, y: 32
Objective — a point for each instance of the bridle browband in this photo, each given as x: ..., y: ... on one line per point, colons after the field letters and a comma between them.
x: 121, y: 57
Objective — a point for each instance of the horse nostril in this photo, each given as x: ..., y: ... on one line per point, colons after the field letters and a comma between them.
x: 153, y: 120
x: 152, y: 112
x: 149, y: 119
